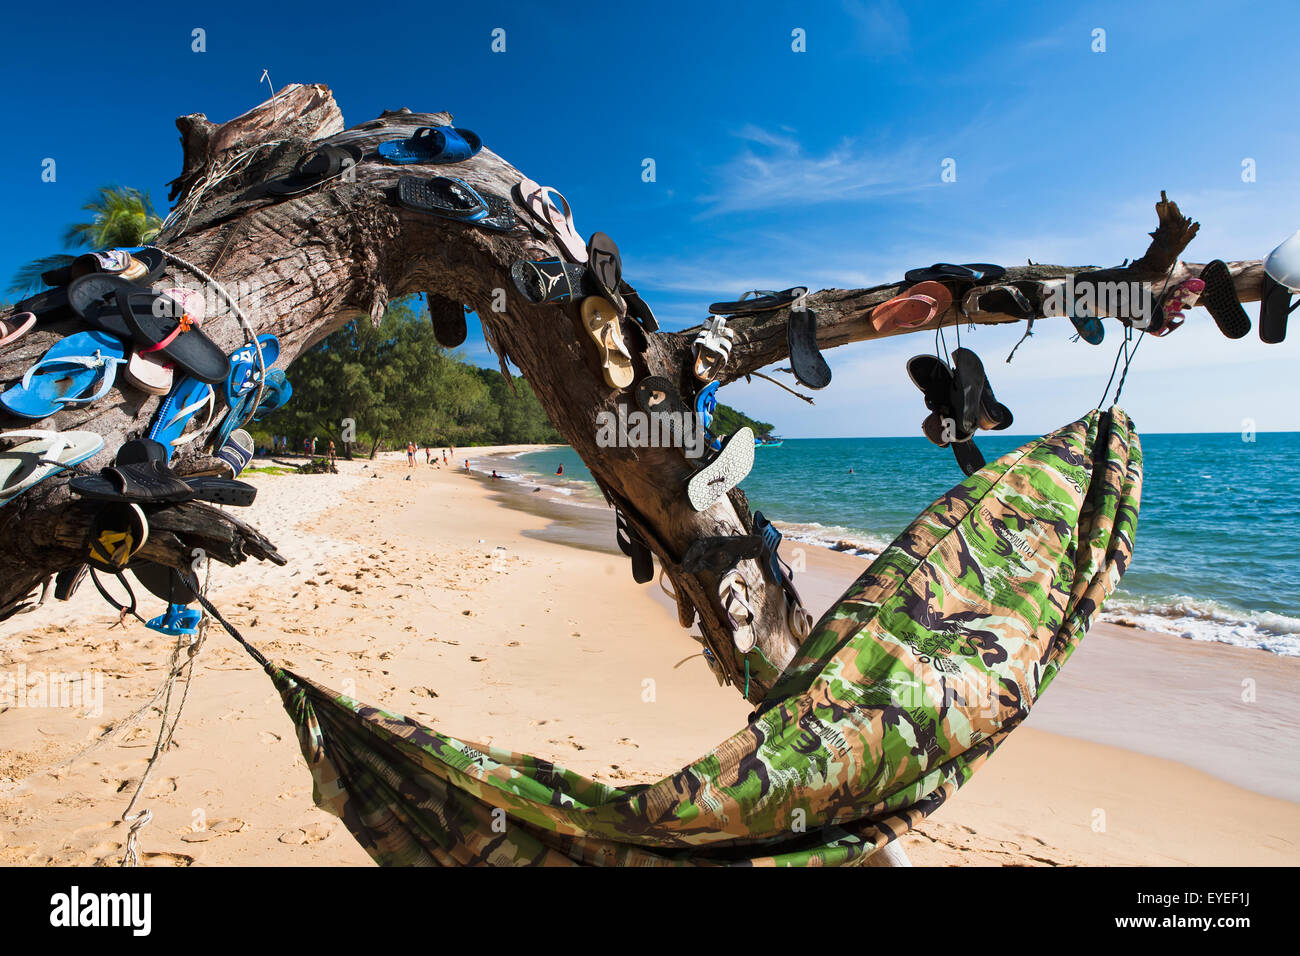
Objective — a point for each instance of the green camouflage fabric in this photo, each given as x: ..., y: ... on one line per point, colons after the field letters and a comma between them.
x: 903, y: 689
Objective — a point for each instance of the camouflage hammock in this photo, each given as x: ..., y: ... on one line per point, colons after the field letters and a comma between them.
x: 904, y: 688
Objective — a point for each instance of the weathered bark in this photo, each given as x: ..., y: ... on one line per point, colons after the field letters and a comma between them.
x: 320, y: 259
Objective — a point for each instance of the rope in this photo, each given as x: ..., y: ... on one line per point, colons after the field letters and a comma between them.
x: 768, y: 378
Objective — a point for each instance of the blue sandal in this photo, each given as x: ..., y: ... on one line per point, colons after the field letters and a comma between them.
x: 79, y: 369
x: 432, y: 144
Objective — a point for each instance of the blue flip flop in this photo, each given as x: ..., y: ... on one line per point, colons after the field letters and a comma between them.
x: 185, y: 400
x: 178, y: 620
x: 76, y: 370
x: 244, y: 368
x: 1089, y: 328
x: 432, y: 144
x: 276, y: 391
x: 706, y: 403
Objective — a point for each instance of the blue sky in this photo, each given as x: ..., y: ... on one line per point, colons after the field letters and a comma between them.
x: 773, y: 168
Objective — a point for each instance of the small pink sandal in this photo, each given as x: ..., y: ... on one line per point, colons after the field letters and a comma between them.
x: 11, y: 330
x: 914, y: 308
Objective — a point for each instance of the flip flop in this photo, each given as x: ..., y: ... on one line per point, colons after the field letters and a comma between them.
x: 186, y: 400
x: 712, y: 482
x: 706, y: 403
x: 117, y: 532
x: 983, y: 272
x: 759, y: 301
x: 969, y: 458
x: 448, y: 319
x: 658, y: 396
x: 1220, y: 299
x: 551, y: 280
x: 968, y: 384
x: 171, y: 584
x: 432, y: 145
x: 914, y: 308
x: 26, y: 465
x: 717, y: 555
x: 144, y: 265
x: 13, y: 329
x: 806, y: 360
x: 633, y: 545
x: 1274, y: 309
x: 1168, y: 315
x: 151, y: 372
x: 1007, y: 299
x: 605, y: 266
x: 150, y: 317
x: 934, y: 378
x: 638, y: 308
x: 315, y: 168
x: 68, y: 580
x: 733, y: 593
x: 777, y: 570
x: 77, y: 370
x: 555, y: 217
x: 455, y: 199
x: 601, y: 321
x: 246, y: 370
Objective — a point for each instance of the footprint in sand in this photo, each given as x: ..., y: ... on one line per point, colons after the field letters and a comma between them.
x: 571, y: 742
x: 303, y: 836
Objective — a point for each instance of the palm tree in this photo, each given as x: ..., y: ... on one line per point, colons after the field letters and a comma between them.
x: 120, y: 216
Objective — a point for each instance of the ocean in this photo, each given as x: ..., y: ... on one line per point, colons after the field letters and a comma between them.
x: 1216, y: 556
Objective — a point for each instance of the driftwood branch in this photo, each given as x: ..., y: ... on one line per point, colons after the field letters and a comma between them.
x: 310, y: 263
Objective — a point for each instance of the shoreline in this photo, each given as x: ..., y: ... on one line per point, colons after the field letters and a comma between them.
x: 521, y: 627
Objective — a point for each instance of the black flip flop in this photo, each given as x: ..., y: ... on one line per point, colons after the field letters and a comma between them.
x: 222, y: 491
x: 94, y: 299
x: 1274, y: 309
x: 151, y: 259
x: 326, y: 163
x: 68, y: 580
x: 969, y: 458
x: 163, y: 582
x: 933, y: 377
x: 189, y: 349
x: 638, y: 308
x: 145, y: 481
x: 980, y: 272
x: 441, y: 196
x: 633, y: 545
x: 117, y: 531
x: 1220, y: 300
x: 968, y: 383
x: 806, y: 360
x: 760, y: 303
x: 551, y: 280
x: 718, y: 555
x: 448, y: 318
x: 605, y: 266
x: 656, y: 395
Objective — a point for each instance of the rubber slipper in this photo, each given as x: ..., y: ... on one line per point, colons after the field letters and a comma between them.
x: 633, y: 545
x: 1274, y: 309
x: 551, y: 280
x: 145, y: 481
x: 117, y: 532
x: 448, y: 319
x: 77, y: 370
x: 993, y: 415
x: 68, y: 580
x: 178, y: 409
x: 1220, y: 299
x: 1168, y: 314
x: 777, y: 570
x: 150, y: 317
x: 555, y: 217
x: 733, y: 593
x: 222, y: 491
x: 638, y: 308
x: 13, y: 329
x: 245, y: 368
x: 600, y: 319
x: 28, y: 463
x: 983, y: 272
x: 433, y: 145
x: 712, y: 348
x: 151, y: 371
x: 706, y: 403
x: 237, y: 452
x: 315, y: 168
x: 605, y: 266
x: 276, y: 392
x: 452, y: 198
x: 968, y: 382
x: 712, y: 482
x: 717, y: 555
x: 658, y: 396
x: 914, y: 308
x: 1089, y: 328
x: 758, y: 301
x: 170, y: 584
x: 934, y: 378
x: 806, y: 360
x: 1005, y: 299
x: 969, y: 458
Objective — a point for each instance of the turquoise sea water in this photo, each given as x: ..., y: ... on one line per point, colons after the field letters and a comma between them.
x: 1217, y: 554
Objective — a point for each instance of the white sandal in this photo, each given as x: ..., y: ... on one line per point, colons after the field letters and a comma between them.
x: 733, y: 591
x: 27, y: 465
x: 712, y: 348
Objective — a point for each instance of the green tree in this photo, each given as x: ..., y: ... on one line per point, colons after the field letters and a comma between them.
x: 120, y: 216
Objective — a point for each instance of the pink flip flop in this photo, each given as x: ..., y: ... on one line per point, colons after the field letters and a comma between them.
x: 11, y: 330
x: 914, y: 308
x: 555, y: 216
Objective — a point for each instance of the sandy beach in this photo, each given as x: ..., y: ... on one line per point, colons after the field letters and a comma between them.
x: 505, y: 616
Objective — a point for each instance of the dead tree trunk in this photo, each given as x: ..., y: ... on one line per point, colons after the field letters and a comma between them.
x: 320, y: 259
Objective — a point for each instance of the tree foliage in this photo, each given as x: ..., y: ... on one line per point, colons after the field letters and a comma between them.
x: 398, y: 385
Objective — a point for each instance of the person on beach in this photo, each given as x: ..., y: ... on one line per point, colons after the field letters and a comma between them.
x: 559, y: 471
x: 495, y: 476
x: 332, y: 451
x: 410, y: 454
x: 467, y: 465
